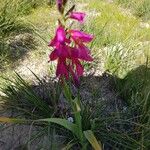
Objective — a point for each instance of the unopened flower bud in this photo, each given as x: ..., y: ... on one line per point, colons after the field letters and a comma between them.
x: 60, y: 6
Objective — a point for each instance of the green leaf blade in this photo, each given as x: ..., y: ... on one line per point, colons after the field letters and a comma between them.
x: 91, y: 138
x: 63, y: 122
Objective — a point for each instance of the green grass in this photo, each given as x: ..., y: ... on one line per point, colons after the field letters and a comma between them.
x: 21, y: 95
x: 9, y: 25
x: 140, y: 8
x: 135, y: 88
x: 119, y: 38
x: 10, y: 13
x: 13, y: 22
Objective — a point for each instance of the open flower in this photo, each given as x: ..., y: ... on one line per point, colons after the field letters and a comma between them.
x: 80, y: 37
x: 81, y: 51
x: 61, y: 51
x: 60, y: 38
x: 59, y: 44
x: 79, y: 16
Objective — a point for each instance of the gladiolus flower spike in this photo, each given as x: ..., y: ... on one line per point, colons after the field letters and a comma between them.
x: 69, y: 48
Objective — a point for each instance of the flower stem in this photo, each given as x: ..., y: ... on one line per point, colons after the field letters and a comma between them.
x: 76, y: 108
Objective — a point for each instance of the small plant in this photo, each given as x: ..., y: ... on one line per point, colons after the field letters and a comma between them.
x: 69, y: 49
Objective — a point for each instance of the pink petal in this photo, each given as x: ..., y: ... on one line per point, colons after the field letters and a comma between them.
x: 84, y: 53
x: 79, y: 68
x: 73, y: 52
x: 77, y: 16
x: 81, y: 36
x: 63, y: 51
x: 74, y: 76
x: 60, y: 37
x: 61, y: 34
x: 62, y: 69
x: 53, y: 55
x: 53, y: 42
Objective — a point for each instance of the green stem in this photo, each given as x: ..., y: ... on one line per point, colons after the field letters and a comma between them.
x: 78, y: 118
x: 75, y: 106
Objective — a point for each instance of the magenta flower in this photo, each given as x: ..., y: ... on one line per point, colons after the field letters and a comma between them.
x: 77, y: 16
x: 80, y: 37
x: 84, y: 53
x: 60, y: 37
x: 69, y: 50
x: 62, y: 52
x: 59, y: 44
x: 78, y: 67
x: 76, y: 70
x: 73, y: 69
x: 62, y: 69
x: 81, y: 51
